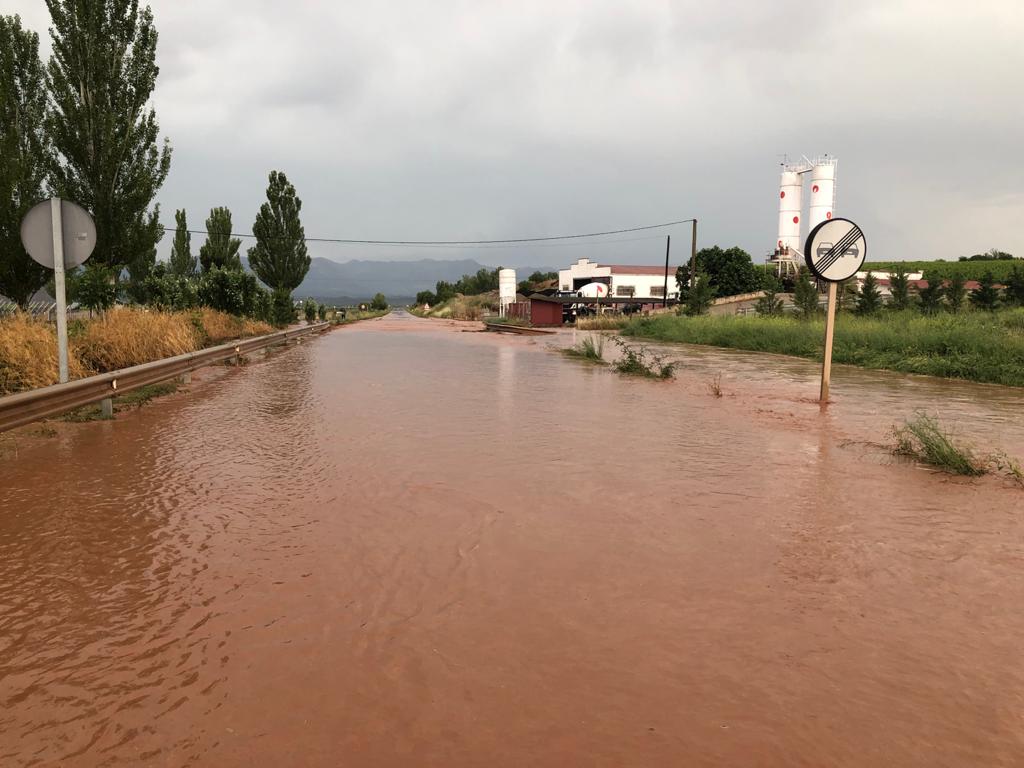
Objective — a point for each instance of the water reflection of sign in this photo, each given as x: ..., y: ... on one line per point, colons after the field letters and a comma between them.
x: 835, y: 250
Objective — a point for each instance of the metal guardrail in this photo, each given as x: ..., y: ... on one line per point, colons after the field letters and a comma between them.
x: 26, y: 407
x: 520, y: 329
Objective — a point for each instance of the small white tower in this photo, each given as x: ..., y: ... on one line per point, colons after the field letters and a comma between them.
x: 506, y: 290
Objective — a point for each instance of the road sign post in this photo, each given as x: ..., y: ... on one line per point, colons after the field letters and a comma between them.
x: 59, y: 234
x: 59, y: 288
x: 835, y: 250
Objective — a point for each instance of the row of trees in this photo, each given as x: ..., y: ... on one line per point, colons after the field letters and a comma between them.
x: 81, y: 129
x: 934, y: 297
x: 484, y: 281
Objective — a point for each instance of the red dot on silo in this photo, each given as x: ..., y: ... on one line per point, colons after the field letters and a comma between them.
x: 796, y: 219
x: 814, y: 188
x: 828, y: 215
x: 782, y: 194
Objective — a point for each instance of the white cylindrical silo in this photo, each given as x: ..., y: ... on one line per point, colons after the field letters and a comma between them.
x: 506, y: 290
x: 790, y: 202
x: 823, y: 192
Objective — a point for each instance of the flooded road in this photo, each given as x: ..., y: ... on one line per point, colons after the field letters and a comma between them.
x: 405, y: 544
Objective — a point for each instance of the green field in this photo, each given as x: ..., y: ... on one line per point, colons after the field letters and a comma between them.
x: 975, y: 346
x: 947, y: 270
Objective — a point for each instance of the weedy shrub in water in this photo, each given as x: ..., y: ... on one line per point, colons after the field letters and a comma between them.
x: 638, y: 361
x: 923, y: 439
x: 589, y: 349
x: 715, y: 386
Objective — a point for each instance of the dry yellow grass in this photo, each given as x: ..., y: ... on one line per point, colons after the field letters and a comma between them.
x: 219, y: 327
x: 28, y: 355
x: 122, y: 338
x: 116, y: 339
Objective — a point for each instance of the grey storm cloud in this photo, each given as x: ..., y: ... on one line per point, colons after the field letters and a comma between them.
x: 480, y: 120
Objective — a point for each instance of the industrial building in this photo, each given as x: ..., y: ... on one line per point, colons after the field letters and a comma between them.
x: 624, y: 281
x: 788, y: 254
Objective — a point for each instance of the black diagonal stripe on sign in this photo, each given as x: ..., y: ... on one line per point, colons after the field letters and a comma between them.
x: 839, y: 249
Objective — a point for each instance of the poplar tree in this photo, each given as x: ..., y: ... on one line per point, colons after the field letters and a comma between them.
x: 805, y: 295
x: 23, y: 150
x: 869, y: 298
x: 986, y: 295
x: 899, y: 287
x: 108, y: 155
x: 280, y: 258
x: 182, y: 263
x: 220, y: 250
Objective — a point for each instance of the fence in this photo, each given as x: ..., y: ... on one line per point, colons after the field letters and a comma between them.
x: 35, y: 308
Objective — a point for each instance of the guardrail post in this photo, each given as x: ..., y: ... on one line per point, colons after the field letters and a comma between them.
x: 186, y: 377
x: 107, y: 408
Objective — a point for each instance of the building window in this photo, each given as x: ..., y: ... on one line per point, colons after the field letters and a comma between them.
x: 566, y: 288
x: 657, y: 290
x: 625, y: 290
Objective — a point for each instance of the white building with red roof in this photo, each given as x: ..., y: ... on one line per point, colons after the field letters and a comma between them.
x: 623, y: 280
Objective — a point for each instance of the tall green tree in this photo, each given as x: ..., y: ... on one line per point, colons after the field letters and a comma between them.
x: 1014, y: 291
x: 700, y: 295
x: 805, y: 295
x: 379, y: 302
x: 930, y: 297
x: 220, y: 251
x: 899, y: 286
x: 986, y: 295
x: 108, y: 154
x: 280, y: 258
x: 770, y: 304
x: 869, y: 297
x: 183, y: 263
x: 956, y: 292
x: 731, y: 270
x: 24, y: 147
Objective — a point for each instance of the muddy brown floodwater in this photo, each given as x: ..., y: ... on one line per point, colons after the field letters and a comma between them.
x: 403, y: 544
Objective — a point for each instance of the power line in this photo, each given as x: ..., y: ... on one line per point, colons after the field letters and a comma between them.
x: 347, y: 241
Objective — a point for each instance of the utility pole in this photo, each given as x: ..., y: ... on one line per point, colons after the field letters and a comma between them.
x: 668, y: 247
x: 693, y: 256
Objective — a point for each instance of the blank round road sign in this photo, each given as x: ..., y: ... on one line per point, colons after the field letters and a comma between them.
x: 79, y: 233
x: 835, y: 250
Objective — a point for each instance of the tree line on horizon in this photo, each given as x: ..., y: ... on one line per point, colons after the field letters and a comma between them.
x: 81, y: 128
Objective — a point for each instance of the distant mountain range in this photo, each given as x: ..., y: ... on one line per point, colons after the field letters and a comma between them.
x: 347, y: 282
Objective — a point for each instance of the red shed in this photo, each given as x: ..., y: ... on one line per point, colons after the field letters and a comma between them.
x: 545, y: 312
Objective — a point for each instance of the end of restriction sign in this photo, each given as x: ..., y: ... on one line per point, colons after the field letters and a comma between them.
x: 835, y: 250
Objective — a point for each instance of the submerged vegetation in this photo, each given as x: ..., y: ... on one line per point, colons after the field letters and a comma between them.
x: 640, y: 361
x: 975, y: 346
x: 591, y: 348
x: 924, y: 439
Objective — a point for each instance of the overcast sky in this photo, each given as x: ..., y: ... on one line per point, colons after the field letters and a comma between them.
x: 481, y: 120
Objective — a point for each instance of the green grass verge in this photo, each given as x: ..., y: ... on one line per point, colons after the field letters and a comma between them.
x: 134, y: 399
x: 975, y: 346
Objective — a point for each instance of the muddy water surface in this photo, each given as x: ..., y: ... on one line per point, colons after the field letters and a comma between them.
x: 404, y: 544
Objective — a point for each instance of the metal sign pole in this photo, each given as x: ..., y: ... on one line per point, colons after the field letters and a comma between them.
x: 834, y: 251
x: 58, y: 283
x: 830, y: 324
